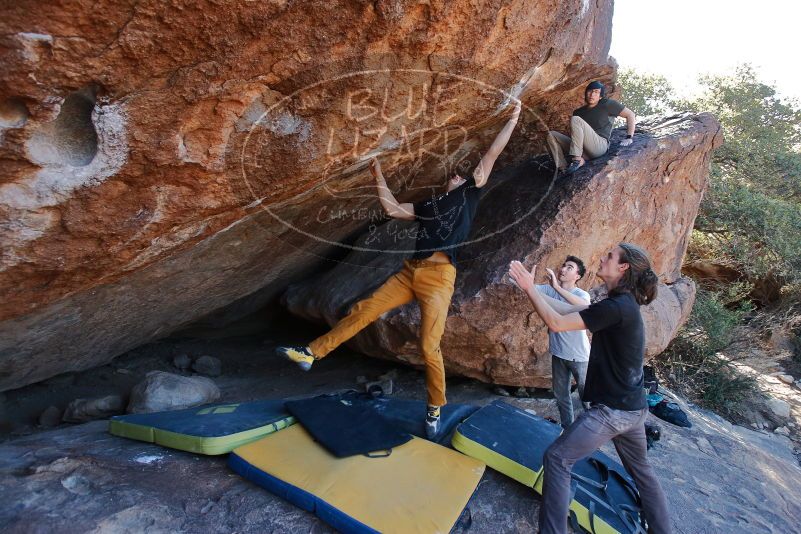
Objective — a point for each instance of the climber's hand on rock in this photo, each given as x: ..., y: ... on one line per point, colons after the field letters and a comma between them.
x: 516, y: 111
x: 375, y: 168
x: 626, y: 142
x: 521, y: 276
x: 552, y: 278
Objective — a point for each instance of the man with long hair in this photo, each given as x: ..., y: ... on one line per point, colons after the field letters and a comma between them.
x: 429, y: 277
x: 590, y: 129
x: 614, y: 385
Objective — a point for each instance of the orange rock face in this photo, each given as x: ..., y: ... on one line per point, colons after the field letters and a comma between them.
x: 163, y: 160
x: 647, y: 193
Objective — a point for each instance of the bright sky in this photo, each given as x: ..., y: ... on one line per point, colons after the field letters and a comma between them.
x: 683, y: 38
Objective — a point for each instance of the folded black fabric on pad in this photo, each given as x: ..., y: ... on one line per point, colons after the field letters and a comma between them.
x: 346, y: 426
x: 409, y: 415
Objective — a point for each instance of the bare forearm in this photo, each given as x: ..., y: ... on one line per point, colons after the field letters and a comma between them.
x: 484, y: 167
x: 385, y: 196
x: 542, y: 305
x: 391, y: 206
x: 631, y: 123
x: 555, y: 320
x: 502, y: 138
x: 388, y: 201
x: 570, y: 297
x: 564, y: 308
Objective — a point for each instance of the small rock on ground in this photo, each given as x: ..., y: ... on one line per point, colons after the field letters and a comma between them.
x: 182, y: 362
x: 779, y: 407
x: 162, y: 391
x: 83, y: 410
x: 208, y: 365
x: 50, y: 417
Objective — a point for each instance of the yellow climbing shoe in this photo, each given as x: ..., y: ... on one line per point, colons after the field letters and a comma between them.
x: 300, y: 355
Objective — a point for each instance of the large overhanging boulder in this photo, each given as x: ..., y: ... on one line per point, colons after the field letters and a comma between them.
x: 161, y: 163
x: 647, y: 194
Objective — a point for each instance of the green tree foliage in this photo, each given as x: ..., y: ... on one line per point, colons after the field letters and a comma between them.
x: 750, y: 218
x: 694, y: 363
x: 763, y: 132
x: 646, y: 94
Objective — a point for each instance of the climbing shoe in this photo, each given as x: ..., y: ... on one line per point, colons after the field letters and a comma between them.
x: 432, y: 422
x: 300, y: 355
x: 573, y: 167
x: 652, y: 434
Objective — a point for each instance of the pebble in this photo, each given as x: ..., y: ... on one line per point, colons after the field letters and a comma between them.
x: 182, y: 362
x: 50, y: 417
x: 208, y: 365
x: 160, y: 392
x: 386, y: 386
x: 521, y: 393
x: 82, y: 410
x: 389, y: 375
x: 779, y: 407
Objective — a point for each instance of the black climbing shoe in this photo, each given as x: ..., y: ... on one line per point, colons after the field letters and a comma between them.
x: 652, y: 434
x: 432, y: 422
x: 573, y: 167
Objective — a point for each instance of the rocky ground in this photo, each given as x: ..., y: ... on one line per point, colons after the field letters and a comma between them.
x: 77, y: 478
x: 776, y: 407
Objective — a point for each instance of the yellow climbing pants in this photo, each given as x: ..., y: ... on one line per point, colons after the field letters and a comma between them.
x: 431, y: 283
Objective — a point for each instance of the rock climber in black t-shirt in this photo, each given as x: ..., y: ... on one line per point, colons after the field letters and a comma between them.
x: 590, y: 129
x: 428, y: 277
x: 613, y: 387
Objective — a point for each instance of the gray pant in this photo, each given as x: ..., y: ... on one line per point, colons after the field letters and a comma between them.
x: 593, y: 428
x: 561, y: 371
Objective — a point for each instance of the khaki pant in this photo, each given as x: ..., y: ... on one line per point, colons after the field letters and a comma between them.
x: 583, y: 140
x: 432, y: 285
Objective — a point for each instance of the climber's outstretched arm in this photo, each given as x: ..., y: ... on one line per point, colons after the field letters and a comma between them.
x: 391, y: 206
x: 484, y: 167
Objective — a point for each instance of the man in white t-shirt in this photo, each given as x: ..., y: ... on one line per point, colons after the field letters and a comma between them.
x: 570, y: 351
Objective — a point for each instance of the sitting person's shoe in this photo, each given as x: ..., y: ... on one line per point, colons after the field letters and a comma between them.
x: 432, y: 422
x: 573, y: 167
x: 300, y: 355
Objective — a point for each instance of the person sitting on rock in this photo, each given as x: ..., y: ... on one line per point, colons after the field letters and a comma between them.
x: 570, y: 351
x: 614, y: 386
x: 445, y: 222
x: 590, y: 129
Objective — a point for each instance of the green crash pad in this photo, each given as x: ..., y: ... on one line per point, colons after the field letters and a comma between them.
x: 211, y: 429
